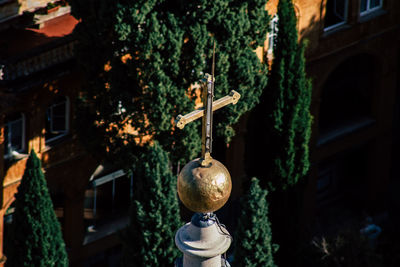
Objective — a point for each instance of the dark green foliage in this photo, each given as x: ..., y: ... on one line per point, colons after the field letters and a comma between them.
x: 167, y: 46
x: 280, y: 127
x: 37, y: 239
x: 290, y: 101
x: 170, y: 43
x: 253, y: 239
x: 285, y: 109
x: 149, y: 240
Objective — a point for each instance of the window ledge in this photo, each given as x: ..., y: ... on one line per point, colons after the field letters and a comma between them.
x: 334, y: 29
x: 369, y: 15
x: 351, y: 127
x: 106, y: 230
x: 15, y: 156
x: 56, y: 141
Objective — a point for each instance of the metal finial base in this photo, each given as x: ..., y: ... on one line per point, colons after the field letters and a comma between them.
x: 179, y: 262
x: 203, y: 220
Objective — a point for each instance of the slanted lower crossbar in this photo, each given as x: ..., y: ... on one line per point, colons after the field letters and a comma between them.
x: 232, y: 98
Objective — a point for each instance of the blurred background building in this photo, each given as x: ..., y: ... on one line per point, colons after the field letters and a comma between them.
x: 352, y: 57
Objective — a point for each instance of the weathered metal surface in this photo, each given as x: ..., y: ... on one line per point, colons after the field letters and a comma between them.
x: 232, y: 98
x: 204, y: 184
x: 204, y: 189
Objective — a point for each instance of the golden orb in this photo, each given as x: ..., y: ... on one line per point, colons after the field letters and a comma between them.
x: 204, y: 189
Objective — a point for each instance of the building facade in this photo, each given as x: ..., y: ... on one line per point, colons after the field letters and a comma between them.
x: 39, y: 86
x: 353, y: 60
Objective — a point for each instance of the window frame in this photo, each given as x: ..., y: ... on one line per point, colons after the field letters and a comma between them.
x: 369, y: 10
x: 272, y: 34
x: 8, y: 150
x: 99, y: 227
x: 109, y: 178
x: 50, y: 118
x: 345, y: 19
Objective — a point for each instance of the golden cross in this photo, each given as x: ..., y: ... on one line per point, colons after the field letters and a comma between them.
x: 206, y: 112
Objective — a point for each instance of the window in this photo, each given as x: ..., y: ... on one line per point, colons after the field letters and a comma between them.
x: 7, y: 226
x: 106, y: 204
x: 57, y: 119
x: 6, y: 1
x: 272, y: 33
x: 343, y: 180
x: 327, y: 183
x: 368, y: 6
x: 8, y: 216
x: 336, y: 14
x: 14, y: 135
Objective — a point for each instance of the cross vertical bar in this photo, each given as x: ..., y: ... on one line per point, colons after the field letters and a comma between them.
x: 206, y: 112
x: 208, y: 97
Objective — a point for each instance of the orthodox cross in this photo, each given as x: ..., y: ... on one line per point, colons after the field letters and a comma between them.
x: 206, y: 112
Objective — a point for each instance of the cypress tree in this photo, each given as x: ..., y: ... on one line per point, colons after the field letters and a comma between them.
x: 37, y: 239
x: 286, y: 120
x: 253, y: 238
x: 285, y: 109
x: 140, y: 57
x: 290, y: 98
x: 149, y: 240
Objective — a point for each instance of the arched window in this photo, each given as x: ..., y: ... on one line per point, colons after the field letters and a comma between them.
x: 346, y: 99
x: 14, y: 135
x: 57, y: 119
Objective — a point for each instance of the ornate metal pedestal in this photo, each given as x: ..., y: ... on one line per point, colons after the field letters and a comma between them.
x: 203, y: 241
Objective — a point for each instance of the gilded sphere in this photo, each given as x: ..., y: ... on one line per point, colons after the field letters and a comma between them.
x: 204, y: 189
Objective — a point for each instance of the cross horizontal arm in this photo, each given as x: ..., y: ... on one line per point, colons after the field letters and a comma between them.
x: 232, y: 98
